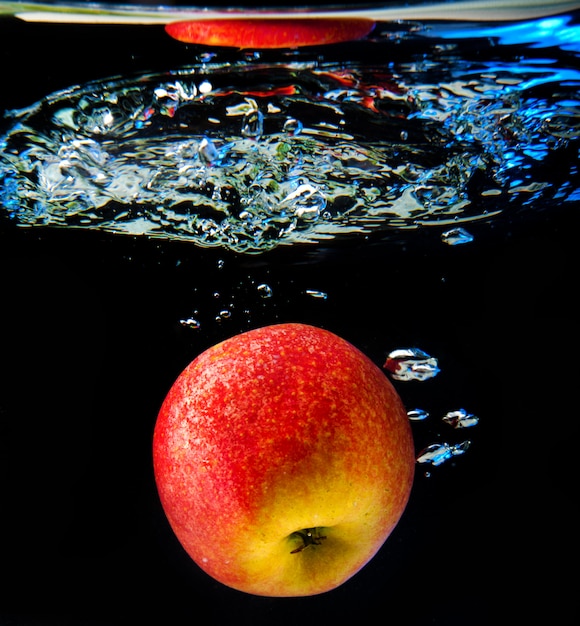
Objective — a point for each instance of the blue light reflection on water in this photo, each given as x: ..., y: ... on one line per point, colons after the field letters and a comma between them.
x: 537, y: 73
x: 559, y: 31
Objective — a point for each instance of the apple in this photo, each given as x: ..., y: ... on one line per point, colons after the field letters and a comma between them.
x: 283, y: 459
x: 284, y: 32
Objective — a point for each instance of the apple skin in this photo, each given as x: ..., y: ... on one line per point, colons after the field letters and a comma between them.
x: 265, y: 33
x: 275, y: 433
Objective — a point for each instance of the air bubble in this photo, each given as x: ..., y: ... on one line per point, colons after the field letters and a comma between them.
x: 456, y: 236
x: 406, y: 364
x: 460, y: 419
x: 314, y: 293
x: 190, y: 322
x: 253, y: 124
x: 417, y: 415
x: 264, y: 290
x: 438, y: 453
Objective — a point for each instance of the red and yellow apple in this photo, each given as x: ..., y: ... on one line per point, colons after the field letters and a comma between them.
x: 283, y: 458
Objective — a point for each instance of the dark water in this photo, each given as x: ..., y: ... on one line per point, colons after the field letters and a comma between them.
x: 429, y: 130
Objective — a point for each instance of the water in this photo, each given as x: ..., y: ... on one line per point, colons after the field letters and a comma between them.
x: 250, y: 153
x: 416, y: 193
x: 411, y: 364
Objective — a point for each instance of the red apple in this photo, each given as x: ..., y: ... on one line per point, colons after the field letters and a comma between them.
x: 285, y: 32
x: 283, y: 458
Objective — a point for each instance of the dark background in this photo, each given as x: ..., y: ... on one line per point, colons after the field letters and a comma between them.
x: 90, y: 342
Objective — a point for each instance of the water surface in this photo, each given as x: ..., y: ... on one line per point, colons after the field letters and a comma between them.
x: 423, y: 126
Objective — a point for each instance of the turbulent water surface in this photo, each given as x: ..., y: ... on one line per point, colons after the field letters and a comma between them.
x: 417, y: 129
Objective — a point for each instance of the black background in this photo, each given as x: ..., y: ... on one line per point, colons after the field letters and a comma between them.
x: 90, y: 343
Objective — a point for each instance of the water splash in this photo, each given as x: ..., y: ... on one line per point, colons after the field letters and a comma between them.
x: 248, y: 155
x: 417, y: 415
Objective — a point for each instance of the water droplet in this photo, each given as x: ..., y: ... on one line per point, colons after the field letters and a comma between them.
x: 460, y: 419
x: 456, y: 236
x: 417, y: 415
x: 411, y: 364
x: 190, y: 322
x: 321, y: 295
x: 437, y: 453
x: 264, y: 290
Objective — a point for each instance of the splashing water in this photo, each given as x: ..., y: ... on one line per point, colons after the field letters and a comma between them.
x: 248, y: 155
x: 404, y: 364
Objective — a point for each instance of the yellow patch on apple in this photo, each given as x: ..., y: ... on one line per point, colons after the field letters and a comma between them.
x: 283, y: 459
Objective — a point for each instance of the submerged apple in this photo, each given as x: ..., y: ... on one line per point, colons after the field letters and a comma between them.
x: 285, y: 32
x: 284, y: 458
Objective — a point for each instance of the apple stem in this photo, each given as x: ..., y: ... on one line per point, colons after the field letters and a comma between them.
x: 310, y: 537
